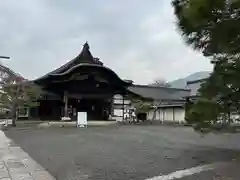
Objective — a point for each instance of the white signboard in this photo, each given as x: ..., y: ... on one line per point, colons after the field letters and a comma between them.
x: 82, y: 119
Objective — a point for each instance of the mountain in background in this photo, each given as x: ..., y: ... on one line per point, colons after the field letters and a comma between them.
x: 181, y: 83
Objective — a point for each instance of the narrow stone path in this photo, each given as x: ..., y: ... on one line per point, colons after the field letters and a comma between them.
x: 15, y: 164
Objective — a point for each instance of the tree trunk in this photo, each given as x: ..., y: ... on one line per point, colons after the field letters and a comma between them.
x: 14, y: 115
x: 15, y: 107
x: 154, y: 114
x: 229, y: 118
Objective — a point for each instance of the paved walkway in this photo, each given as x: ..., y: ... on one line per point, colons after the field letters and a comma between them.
x: 73, y: 123
x: 15, y: 164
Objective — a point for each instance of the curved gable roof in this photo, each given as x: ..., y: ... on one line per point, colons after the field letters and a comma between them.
x: 84, y: 57
x: 84, y: 60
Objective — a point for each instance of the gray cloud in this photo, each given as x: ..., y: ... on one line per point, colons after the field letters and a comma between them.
x: 137, y: 39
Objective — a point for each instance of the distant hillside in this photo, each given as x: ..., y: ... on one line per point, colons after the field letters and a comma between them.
x: 181, y: 83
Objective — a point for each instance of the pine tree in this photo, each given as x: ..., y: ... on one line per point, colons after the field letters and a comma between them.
x: 213, y: 27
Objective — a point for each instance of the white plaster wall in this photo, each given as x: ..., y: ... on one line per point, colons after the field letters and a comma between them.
x: 150, y: 115
x: 118, y: 99
x: 117, y: 114
x: 158, y: 115
x: 118, y: 96
x: 117, y: 111
x: 180, y: 114
x: 161, y: 114
x: 166, y: 114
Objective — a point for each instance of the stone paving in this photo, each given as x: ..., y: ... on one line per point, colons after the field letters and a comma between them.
x: 129, y: 152
x: 15, y: 164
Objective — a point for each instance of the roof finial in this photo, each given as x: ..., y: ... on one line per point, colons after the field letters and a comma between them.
x: 86, y: 46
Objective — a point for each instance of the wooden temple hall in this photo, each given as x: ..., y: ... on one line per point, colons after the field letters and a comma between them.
x: 83, y: 84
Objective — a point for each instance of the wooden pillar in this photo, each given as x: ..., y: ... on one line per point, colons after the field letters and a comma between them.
x: 173, y: 114
x: 65, y: 98
x: 123, y: 107
x: 163, y: 115
x: 112, y: 106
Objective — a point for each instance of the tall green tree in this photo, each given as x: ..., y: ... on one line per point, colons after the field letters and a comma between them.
x: 212, y: 26
x: 204, y: 113
x: 221, y: 88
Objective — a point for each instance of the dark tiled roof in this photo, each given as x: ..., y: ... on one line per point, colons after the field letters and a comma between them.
x: 171, y: 105
x: 84, y: 57
x: 196, y: 81
x: 160, y: 93
x: 83, y: 62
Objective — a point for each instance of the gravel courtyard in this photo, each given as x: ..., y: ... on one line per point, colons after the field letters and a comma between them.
x: 124, y: 152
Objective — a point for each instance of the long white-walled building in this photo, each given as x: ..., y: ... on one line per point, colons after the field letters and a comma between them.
x: 169, y: 102
x: 173, y: 111
x: 168, y: 114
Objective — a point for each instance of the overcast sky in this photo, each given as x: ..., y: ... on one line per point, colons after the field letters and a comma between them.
x: 136, y: 38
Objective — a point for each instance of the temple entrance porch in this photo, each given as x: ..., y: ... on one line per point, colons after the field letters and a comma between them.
x: 97, y: 109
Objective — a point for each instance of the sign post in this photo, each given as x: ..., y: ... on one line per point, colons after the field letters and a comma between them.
x: 82, y: 119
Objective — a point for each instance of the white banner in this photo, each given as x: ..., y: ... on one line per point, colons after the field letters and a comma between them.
x: 81, y: 119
